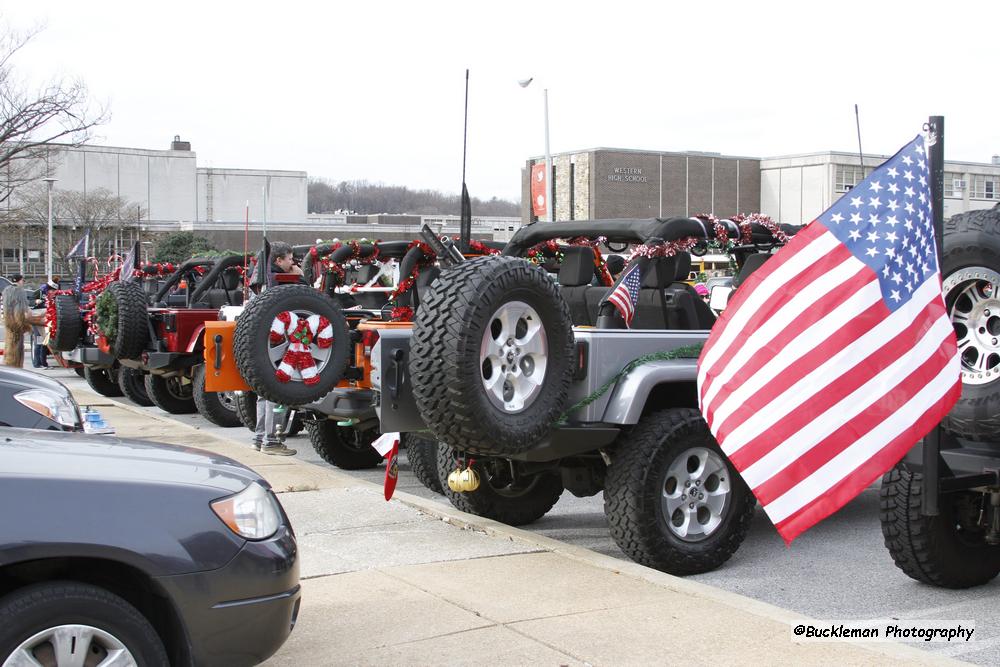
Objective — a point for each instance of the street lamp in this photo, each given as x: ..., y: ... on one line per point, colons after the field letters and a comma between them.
x: 549, y: 204
x: 48, y: 253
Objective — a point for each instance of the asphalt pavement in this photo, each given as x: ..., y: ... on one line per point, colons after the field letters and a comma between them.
x: 838, y: 570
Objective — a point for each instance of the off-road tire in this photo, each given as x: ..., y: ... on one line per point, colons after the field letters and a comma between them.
x: 246, y: 409
x: 68, y: 324
x: 103, y: 380
x: 635, y: 483
x: 343, y: 446
x: 133, y: 386
x: 79, y: 370
x: 932, y: 549
x: 518, y: 504
x: 133, y: 322
x: 422, y: 455
x: 212, y: 404
x: 171, y: 394
x: 251, y: 347
x: 38, y: 607
x: 444, y: 364
x: 972, y: 239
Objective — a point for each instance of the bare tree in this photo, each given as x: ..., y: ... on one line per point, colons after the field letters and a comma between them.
x: 32, y: 118
x: 111, y: 220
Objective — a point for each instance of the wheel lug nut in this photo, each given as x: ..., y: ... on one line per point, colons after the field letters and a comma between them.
x: 687, y: 483
x: 994, y: 341
x: 691, y: 506
x: 697, y: 482
x: 684, y: 496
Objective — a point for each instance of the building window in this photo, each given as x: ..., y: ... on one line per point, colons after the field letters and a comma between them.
x: 848, y: 176
x: 954, y: 184
x: 985, y: 187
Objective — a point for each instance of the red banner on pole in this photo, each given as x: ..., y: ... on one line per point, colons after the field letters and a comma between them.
x: 538, y: 204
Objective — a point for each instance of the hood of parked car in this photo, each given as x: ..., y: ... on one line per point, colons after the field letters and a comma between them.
x: 19, y: 378
x: 77, y: 456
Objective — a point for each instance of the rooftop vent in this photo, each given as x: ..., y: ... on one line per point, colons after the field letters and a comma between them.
x: 178, y: 145
x: 996, y: 160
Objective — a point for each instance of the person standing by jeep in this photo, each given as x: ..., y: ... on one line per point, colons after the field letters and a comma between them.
x: 267, y: 439
x: 40, y: 351
x: 17, y: 319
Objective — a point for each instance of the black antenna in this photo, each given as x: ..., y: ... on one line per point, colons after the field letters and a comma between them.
x: 465, y: 222
x: 861, y: 155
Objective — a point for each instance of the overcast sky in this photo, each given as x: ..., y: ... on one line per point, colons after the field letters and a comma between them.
x: 374, y: 90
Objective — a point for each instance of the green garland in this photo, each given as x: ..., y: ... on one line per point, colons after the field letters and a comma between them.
x: 685, y: 352
x: 106, y: 312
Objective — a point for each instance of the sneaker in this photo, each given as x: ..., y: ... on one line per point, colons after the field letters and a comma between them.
x: 256, y: 445
x: 278, y: 450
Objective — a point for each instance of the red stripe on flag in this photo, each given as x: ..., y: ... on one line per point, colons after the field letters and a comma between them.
x: 861, y: 478
x: 815, y: 272
x: 802, y: 238
x: 851, y: 378
x: 845, y: 436
x: 812, y: 359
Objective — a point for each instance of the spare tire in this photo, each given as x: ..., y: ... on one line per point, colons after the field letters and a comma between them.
x: 270, y: 338
x: 491, y: 356
x: 971, y: 274
x: 122, y: 319
x: 64, y: 335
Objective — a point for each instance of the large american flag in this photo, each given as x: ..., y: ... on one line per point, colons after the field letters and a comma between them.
x: 625, y: 295
x: 837, y: 355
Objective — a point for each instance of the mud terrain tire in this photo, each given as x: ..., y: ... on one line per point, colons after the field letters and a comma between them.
x: 515, y: 502
x: 132, y: 329
x: 422, y: 455
x: 68, y: 324
x: 171, y: 394
x: 103, y: 380
x: 254, y: 351
x: 217, y: 407
x: 943, y: 550
x: 647, y: 469
x: 246, y: 409
x: 133, y: 386
x: 492, y: 355
x: 342, y: 446
x: 971, y: 273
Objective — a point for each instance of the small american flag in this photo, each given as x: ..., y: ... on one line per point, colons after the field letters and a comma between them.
x: 837, y: 355
x: 625, y: 295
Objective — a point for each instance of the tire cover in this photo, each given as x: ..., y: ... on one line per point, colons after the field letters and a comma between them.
x: 292, y: 344
x: 457, y: 321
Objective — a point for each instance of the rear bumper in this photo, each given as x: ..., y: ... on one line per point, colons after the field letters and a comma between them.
x: 89, y: 355
x: 242, y: 613
x: 346, y: 403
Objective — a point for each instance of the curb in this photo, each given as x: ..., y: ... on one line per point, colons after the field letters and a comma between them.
x: 450, y: 515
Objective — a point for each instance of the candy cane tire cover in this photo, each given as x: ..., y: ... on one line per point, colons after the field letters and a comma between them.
x: 254, y: 350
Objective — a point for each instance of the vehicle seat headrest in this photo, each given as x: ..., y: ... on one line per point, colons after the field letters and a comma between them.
x: 577, y: 266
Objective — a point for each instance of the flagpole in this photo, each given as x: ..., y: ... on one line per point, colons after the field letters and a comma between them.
x: 861, y: 155
x: 932, y: 441
x: 246, y: 250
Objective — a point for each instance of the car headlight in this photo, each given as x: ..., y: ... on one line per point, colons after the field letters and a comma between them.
x: 252, y: 513
x: 58, y: 408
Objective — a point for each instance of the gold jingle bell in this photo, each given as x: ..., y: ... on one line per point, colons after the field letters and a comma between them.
x: 461, y: 481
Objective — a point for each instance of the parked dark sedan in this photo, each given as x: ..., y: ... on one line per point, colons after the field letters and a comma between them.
x: 31, y: 400
x: 134, y: 552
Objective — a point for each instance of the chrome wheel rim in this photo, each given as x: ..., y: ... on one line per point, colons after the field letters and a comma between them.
x: 178, y: 389
x: 71, y: 646
x: 513, y: 356
x: 974, y: 308
x: 695, y: 494
x: 321, y: 355
x: 228, y: 400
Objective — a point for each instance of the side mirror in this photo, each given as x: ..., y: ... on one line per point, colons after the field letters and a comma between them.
x: 719, y: 297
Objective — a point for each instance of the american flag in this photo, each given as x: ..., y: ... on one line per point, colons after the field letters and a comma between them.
x: 837, y: 355
x: 626, y: 293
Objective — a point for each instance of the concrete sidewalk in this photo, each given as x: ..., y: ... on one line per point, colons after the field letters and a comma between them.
x: 414, y: 582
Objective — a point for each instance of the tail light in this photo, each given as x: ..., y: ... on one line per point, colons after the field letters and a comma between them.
x: 368, y: 340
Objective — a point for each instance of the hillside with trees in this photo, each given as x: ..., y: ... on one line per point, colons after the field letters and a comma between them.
x: 362, y: 197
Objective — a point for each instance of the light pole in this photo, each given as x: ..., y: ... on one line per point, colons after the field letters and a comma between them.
x: 549, y: 204
x: 48, y: 253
